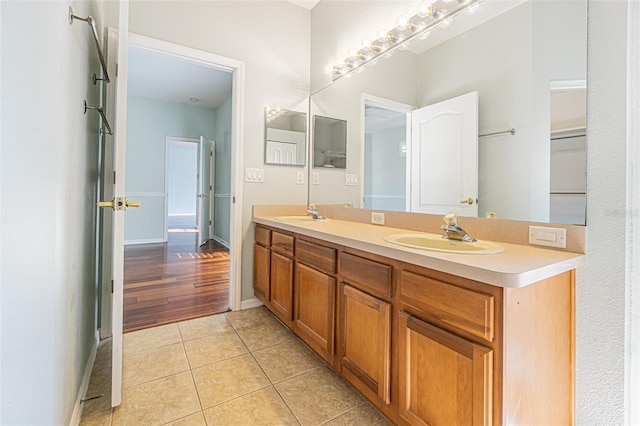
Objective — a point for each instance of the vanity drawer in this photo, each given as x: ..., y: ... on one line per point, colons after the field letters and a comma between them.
x: 321, y: 257
x: 449, y: 305
x: 366, y: 274
x: 263, y: 236
x: 282, y: 243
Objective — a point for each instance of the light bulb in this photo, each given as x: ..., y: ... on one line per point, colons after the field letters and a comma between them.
x: 366, y: 44
x: 424, y: 35
x: 403, y: 23
x: 425, y: 8
x: 328, y: 68
x: 382, y: 35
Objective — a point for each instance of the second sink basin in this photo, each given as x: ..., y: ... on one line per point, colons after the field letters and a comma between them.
x: 437, y: 243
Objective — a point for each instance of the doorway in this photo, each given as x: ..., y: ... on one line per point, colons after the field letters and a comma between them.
x: 145, y: 181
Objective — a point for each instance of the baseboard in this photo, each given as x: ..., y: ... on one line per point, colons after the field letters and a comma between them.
x: 250, y: 303
x: 221, y: 241
x: 84, y: 384
x: 149, y: 241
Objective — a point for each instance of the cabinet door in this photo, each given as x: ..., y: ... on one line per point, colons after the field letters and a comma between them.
x: 261, y: 272
x: 366, y: 340
x: 444, y: 379
x: 282, y: 286
x: 315, y: 309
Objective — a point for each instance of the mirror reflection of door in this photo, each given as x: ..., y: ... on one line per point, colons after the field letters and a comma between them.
x: 444, y: 157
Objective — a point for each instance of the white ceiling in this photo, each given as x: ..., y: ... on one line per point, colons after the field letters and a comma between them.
x: 167, y: 78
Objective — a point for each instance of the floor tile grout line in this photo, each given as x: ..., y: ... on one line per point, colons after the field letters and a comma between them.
x: 343, y: 413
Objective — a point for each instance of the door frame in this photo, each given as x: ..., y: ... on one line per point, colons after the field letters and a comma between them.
x: 389, y: 104
x: 236, y: 67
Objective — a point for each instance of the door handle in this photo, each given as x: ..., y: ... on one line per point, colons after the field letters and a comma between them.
x: 202, y: 196
x: 118, y: 203
x: 468, y: 201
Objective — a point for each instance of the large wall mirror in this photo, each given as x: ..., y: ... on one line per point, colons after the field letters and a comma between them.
x: 285, y: 137
x: 526, y: 62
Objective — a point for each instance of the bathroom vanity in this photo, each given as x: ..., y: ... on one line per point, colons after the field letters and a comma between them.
x: 427, y: 337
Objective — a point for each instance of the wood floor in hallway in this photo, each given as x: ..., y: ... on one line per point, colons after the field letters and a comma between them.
x: 174, y: 281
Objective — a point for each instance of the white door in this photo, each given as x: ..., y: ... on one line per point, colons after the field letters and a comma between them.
x: 116, y: 97
x: 444, y: 157
x: 202, y: 218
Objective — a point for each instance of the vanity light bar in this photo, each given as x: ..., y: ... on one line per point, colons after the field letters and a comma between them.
x: 399, y: 37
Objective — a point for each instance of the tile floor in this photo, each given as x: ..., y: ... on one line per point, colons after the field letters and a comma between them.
x: 238, y: 368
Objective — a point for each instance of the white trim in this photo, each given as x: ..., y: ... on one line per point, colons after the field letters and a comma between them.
x: 235, y: 287
x: 221, y: 241
x: 250, y: 303
x: 215, y: 61
x: 84, y: 384
x: 568, y: 85
x: 365, y: 99
x: 145, y: 241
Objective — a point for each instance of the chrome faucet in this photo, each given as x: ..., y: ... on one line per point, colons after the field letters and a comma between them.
x: 453, y: 230
x: 313, y: 211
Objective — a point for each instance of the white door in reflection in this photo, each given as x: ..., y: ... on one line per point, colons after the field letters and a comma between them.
x: 444, y: 157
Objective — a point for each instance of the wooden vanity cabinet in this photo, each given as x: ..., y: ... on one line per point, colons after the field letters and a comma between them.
x: 314, y: 296
x: 262, y: 264
x: 273, y: 271
x: 423, y: 346
x: 365, y: 325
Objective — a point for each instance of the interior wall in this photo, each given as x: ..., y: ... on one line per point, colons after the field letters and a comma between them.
x: 600, y: 287
x: 149, y: 122
x: 49, y: 167
x: 272, y: 38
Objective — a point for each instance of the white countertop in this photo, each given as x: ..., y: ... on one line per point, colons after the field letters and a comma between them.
x: 517, y: 266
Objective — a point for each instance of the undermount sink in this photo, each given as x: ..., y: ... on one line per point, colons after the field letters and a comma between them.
x: 300, y: 218
x: 437, y: 243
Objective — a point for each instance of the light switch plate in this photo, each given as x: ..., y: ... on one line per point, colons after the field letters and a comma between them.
x: 254, y: 175
x: 300, y: 178
x: 351, y: 180
x: 547, y: 236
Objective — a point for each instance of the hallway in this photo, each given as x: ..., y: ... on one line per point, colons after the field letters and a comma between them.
x: 174, y: 281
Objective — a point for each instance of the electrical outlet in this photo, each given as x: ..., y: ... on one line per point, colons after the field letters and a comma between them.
x: 377, y: 218
x: 300, y: 178
x: 315, y: 178
x: 547, y: 236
